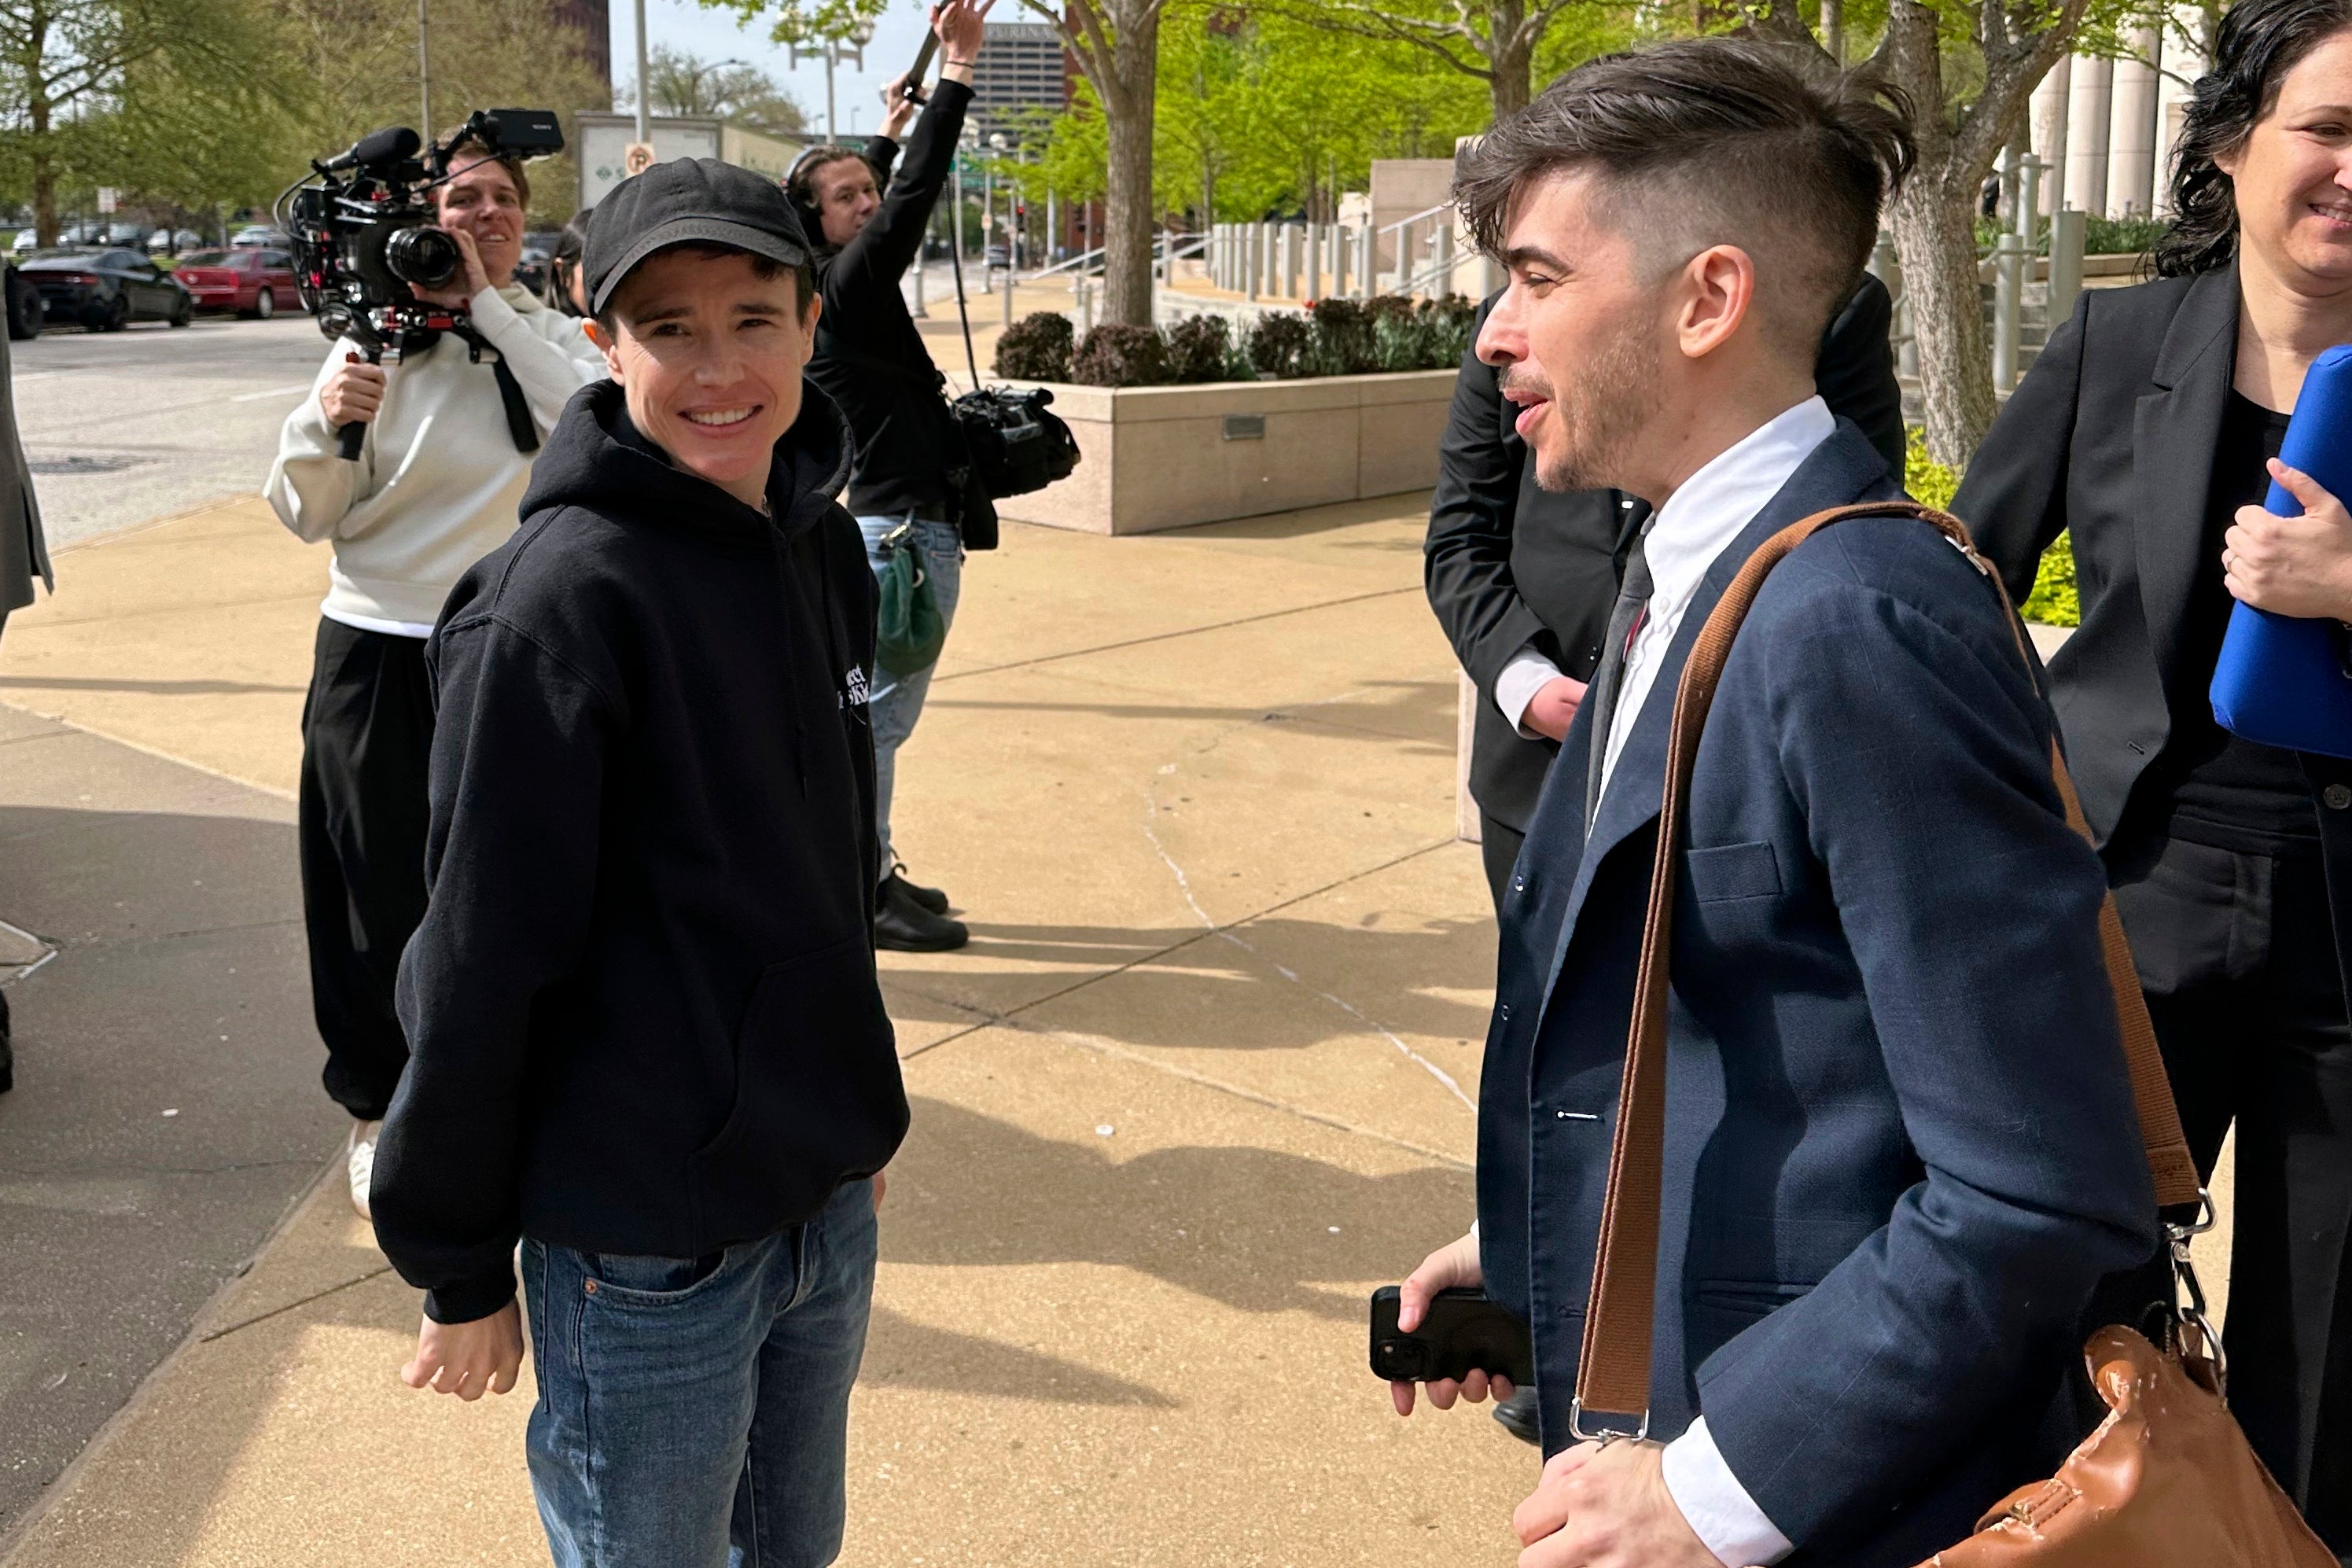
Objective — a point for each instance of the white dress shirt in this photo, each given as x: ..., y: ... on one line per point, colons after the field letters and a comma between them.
x: 1697, y: 523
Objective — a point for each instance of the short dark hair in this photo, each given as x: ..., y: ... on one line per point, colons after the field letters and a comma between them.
x: 465, y: 154
x: 2260, y: 42
x: 763, y: 268
x: 1738, y: 139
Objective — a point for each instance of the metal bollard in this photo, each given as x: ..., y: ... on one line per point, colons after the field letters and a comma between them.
x: 1444, y: 287
x: 2068, y: 231
x: 1008, y: 296
x: 1253, y: 263
x: 919, y: 312
x: 1339, y: 290
x: 1289, y: 287
x: 1364, y: 259
x: 2008, y: 315
x: 1086, y: 309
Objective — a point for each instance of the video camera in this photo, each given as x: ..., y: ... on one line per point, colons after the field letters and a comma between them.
x: 364, y: 239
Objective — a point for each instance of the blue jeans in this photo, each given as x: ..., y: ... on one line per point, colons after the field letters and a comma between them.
x: 695, y: 1413
x: 895, y: 706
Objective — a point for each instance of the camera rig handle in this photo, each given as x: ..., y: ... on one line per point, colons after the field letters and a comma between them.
x: 351, y: 437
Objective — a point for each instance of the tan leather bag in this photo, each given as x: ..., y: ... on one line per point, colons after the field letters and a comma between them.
x: 2167, y: 1480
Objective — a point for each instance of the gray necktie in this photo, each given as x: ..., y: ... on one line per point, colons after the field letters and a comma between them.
x: 1624, y: 623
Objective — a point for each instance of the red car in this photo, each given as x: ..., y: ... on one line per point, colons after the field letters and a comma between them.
x: 251, y: 280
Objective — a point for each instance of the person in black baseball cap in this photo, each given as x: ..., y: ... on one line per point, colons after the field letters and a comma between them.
x: 646, y: 1034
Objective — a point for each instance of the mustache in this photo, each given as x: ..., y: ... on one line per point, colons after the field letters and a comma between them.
x: 1517, y: 381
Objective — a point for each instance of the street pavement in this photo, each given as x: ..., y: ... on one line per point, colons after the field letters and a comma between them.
x: 124, y: 428
x: 1203, y: 1080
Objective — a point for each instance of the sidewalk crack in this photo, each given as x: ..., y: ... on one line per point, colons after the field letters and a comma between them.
x: 222, y: 1333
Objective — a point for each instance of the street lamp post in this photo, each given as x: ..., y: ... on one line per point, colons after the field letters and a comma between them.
x: 849, y: 47
x: 645, y: 98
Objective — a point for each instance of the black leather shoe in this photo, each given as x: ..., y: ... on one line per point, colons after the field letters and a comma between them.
x: 931, y: 899
x: 902, y: 925
x: 1518, y: 1416
x: 7, y: 1054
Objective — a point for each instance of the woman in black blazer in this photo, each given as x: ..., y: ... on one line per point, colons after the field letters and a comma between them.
x: 2147, y: 430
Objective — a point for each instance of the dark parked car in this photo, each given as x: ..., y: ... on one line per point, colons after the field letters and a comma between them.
x: 106, y: 290
x: 26, y: 314
x: 255, y: 281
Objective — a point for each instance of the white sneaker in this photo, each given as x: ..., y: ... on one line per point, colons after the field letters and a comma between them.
x: 360, y: 1159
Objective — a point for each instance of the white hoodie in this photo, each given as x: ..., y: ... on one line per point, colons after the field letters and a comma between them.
x: 439, y: 483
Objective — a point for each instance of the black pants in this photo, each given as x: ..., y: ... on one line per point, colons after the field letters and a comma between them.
x: 2237, y: 956
x: 367, y: 732
x: 1498, y: 848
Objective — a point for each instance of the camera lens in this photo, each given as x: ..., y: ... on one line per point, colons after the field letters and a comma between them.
x: 423, y: 257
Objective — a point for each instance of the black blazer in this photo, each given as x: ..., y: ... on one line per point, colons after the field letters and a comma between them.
x: 2111, y: 437
x: 1507, y: 564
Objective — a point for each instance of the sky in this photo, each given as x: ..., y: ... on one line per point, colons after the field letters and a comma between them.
x: 716, y: 34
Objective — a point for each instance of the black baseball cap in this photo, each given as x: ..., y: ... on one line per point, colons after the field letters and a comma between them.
x: 685, y: 200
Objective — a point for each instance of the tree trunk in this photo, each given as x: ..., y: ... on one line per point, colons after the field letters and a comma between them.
x: 1127, y: 202
x: 1935, y: 235
x: 1511, y: 57
x: 44, y: 174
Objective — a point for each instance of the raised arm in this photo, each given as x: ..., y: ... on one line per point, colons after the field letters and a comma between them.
x: 882, y: 251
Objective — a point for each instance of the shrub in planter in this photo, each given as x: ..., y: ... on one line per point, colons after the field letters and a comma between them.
x: 1198, y: 348
x: 1035, y: 348
x: 1278, y: 345
x: 1431, y: 334
x: 1344, y: 344
x: 1116, y: 355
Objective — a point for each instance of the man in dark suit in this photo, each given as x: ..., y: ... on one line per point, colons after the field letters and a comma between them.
x: 1522, y: 579
x: 1900, y: 1150
x: 23, y: 557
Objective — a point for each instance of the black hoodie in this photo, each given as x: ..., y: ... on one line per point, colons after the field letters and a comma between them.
x: 642, y: 1011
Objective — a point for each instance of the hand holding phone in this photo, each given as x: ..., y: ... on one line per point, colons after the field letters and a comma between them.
x: 1401, y: 1313
x: 1461, y: 1335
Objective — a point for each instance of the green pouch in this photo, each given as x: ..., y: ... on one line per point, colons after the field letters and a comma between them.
x: 909, y: 630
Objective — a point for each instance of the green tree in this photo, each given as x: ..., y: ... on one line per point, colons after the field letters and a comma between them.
x: 87, y: 84
x: 688, y: 85
x: 1497, y: 43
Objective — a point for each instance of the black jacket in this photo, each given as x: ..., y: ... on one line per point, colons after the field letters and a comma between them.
x: 869, y: 356
x: 1508, y: 564
x: 2111, y: 437
x: 642, y: 1010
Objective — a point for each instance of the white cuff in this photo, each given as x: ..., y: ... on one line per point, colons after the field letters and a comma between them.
x: 1528, y: 673
x: 1716, y: 1506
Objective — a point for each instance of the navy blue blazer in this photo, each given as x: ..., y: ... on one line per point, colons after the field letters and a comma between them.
x: 1901, y: 1144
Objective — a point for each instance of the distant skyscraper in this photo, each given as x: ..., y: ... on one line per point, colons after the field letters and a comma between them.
x: 1020, y: 66
x: 594, y: 18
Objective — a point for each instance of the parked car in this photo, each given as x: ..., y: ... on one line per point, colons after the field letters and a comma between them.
x: 106, y: 290
x: 997, y: 256
x: 27, y: 241
x: 531, y: 270
x: 259, y: 234
x: 173, y: 240
x: 127, y: 233
x: 255, y: 281
x: 26, y: 314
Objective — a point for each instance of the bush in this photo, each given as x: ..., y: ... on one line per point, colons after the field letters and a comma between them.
x: 1929, y: 482
x: 1117, y: 355
x: 1279, y: 344
x: 1198, y: 348
x: 1429, y: 335
x: 1344, y: 344
x: 1035, y: 348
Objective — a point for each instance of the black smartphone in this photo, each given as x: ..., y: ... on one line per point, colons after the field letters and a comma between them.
x: 912, y: 88
x: 1463, y: 1332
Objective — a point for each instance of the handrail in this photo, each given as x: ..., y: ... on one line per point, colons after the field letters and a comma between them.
x: 1158, y: 240
x: 1425, y: 212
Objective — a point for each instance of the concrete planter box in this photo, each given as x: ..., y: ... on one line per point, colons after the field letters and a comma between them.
x: 1168, y: 457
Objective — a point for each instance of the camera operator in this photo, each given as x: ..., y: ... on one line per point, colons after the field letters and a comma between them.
x: 436, y: 488
x: 870, y: 357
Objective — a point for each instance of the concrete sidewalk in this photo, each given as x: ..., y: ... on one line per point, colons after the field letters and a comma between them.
x: 1202, y: 1081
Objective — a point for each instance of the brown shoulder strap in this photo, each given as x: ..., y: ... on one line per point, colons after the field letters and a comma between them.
x: 1614, y: 1371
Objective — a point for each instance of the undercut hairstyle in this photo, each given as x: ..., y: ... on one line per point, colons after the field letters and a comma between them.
x: 465, y: 154
x: 2259, y: 43
x: 764, y: 268
x: 1719, y: 141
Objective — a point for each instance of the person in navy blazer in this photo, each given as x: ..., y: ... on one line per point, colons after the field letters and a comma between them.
x: 1902, y: 1152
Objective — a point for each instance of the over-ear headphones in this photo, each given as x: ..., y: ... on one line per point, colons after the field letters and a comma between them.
x: 799, y: 183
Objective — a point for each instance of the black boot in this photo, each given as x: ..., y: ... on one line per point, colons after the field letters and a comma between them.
x: 902, y: 925
x: 931, y: 899
x: 1518, y: 1416
x: 7, y: 1053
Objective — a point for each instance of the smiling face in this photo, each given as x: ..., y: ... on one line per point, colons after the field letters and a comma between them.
x: 1579, y: 336
x: 708, y: 353
x: 847, y: 199
x: 481, y: 199
x: 2293, y: 177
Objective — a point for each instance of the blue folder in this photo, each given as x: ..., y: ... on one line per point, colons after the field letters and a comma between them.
x: 2284, y: 681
